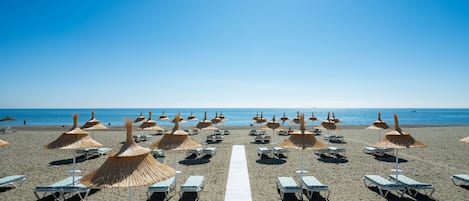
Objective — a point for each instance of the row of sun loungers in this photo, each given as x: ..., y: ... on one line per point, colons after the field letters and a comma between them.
x: 330, y: 150
x: 377, y: 151
x: 262, y: 139
x: 334, y: 138
x: 399, y: 183
x: 275, y: 151
x: 193, y: 184
x: 309, y: 183
x: 199, y: 151
x: 89, y: 152
x: 215, y: 137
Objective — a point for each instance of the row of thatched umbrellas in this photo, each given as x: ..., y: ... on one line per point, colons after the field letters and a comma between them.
x: 132, y: 165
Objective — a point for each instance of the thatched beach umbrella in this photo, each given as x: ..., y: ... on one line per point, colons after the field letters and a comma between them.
x: 192, y: 117
x: 7, y: 118
x: 149, y: 122
x: 163, y: 117
x: 283, y: 118
x: 93, y: 124
x: 175, y: 140
x: 140, y: 119
x: 328, y: 124
x: 222, y: 117
x: 130, y: 166
x: 255, y: 117
x: 260, y: 119
x: 313, y: 118
x: 73, y: 139
x: 379, y: 125
x: 302, y: 139
x: 3, y: 143
x: 335, y: 120
x: 216, y: 119
x: 204, y: 123
x: 296, y: 120
x: 181, y: 120
x: 398, y: 139
x: 465, y: 140
x: 273, y: 125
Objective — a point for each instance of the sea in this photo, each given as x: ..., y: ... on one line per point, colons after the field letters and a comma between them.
x: 237, y: 116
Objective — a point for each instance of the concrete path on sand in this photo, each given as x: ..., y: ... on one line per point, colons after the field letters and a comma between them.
x: 238, y: 187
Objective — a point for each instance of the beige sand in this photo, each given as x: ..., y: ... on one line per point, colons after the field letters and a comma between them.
x: 435, y: 164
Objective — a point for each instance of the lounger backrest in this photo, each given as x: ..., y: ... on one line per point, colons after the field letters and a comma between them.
x: 463, y: 177
x: 287, y: 183
x: 193, y: 182
x: 311, y: 181
x: 66, y: 182
x: 163, y: 184
x: 408, y: 181
x: 378, y: 180
x: 12, y: 178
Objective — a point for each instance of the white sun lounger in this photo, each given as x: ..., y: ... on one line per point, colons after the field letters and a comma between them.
x: 196, y: 151
x: 63, y: 187
x: 287, y: 185
x: 311, y: 184
x: 412, y: 184
x: 279, y: 150
x: 376, y: 151
x: 330, y: 150
x: 334, y: 137
x: 226, y: 132
x: 209, y: 150
x: 460, y: 179
x: 263, y: 151
x: 193, y: 184
x: 94, y: 151
x: 167, y: 186
x: 253, y: 132
x: 384, y: 184
x: 12, y: 180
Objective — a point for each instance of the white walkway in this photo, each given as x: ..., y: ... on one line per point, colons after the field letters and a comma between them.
x: 238, y: 187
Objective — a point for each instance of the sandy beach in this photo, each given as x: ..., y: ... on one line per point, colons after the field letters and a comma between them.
x: 435, y: 164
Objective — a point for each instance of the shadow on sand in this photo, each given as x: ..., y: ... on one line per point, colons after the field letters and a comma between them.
x: 193, y: 160
x: 331, y: 159
x: 73, y: 198
x: 389, y: 158
x: 270, y: 161
x: 69, y: 161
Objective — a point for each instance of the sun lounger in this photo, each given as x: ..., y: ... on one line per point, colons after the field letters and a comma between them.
x: 139, y: 138
x: 253, y: 132
x: 287, y: 185
x: 167, y: 186
x: 384, y: 184
x: 334, y: 138
x: 209, y: 150
x: 376, y: 151
x: 194, y: 132
x: 219, y: 137
x: 263, y: 151
x: 330, y: 150
x: 193, y: 184
x: 279, y: 150
x: 62, y: 188
x: 94, y: 151
x: 196, y: 151
x: 460, y: 179
x: 412, y: 184
x: 311, y: 184
x: 226, y: 132
x: 12, y: 180
x: 266, y: 138
x: 282, y: 132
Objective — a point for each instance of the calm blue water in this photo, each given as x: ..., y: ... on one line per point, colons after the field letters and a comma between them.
x: 238, y: 116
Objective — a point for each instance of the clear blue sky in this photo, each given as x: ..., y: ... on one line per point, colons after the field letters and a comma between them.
x: 263, y: 53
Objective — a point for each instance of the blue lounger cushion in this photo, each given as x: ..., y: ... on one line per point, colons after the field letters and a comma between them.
x: 162, y: 186
x: 193, y: 184
x: 11, y: 179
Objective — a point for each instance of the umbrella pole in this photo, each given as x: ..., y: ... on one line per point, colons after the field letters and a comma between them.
x: 73, y: 169
x: 397, y: 164
x: 131, y: 194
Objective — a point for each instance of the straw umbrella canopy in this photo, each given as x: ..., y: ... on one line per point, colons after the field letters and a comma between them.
x: 313, y: 118
x: 260, y: 119
x: 335, y: 120
x: 7, y: 118
x: 273, y: 124
x: 73, y: 139
x: 296, y: 120
x: 140, y: 119
x: 175, y: 140
x: 255, y: 117
x: 302, y: 139
x: 192, y: 117
x: 3, y: 143
x: 181, y: 119
x: 283, y: 118
x: 150, y: 124
x: 130, y: 166
x: 328, y: 124
x: 222, y: 117
x: 398, y: 139
x: 204, y: 123
x: 163, y: 117
x: 93, y: 124
x: 379, y: 125
x: 465, y: 140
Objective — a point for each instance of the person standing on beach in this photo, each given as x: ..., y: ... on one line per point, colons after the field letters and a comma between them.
x: 24, y: 122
